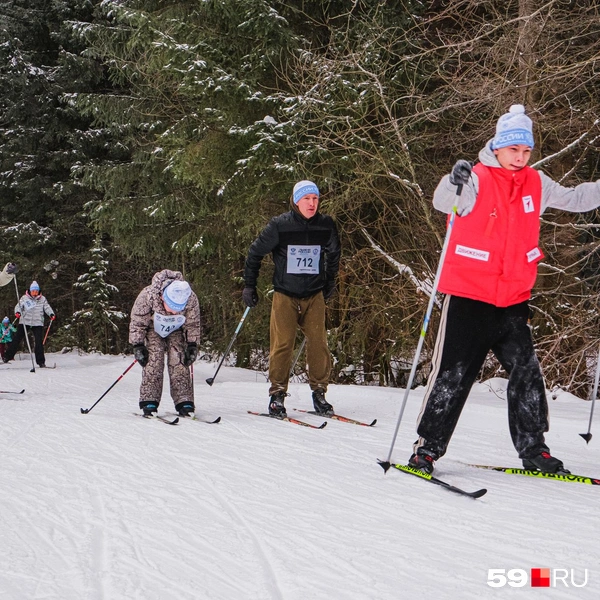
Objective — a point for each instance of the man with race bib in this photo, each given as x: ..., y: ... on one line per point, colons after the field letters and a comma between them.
x: 306, y: 252
x: 165, y: 318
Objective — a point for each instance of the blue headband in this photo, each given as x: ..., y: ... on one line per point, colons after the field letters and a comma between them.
x: 302, y: 188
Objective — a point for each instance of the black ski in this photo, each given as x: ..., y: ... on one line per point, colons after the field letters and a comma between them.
x: 431, y: 479
x: 195, y: 418
x: 541, y: 475
x: 289, y: 420
x: 163, y: 419
x: 338, y: 418
x: 10, y: 392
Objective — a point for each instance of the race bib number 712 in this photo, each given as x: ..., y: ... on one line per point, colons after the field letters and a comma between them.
x: 303, y: 260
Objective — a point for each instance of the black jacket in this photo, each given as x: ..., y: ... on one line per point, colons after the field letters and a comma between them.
x: 292, y: 229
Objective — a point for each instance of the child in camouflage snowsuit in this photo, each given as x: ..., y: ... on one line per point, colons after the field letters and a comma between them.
x: 166, y: 319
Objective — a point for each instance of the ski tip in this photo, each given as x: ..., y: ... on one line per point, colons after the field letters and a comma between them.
x: 479, y: 493
x: 323, y: 425
x: 217, y: 420
x: 384, y: 464
x: 23, y: 390
x: 373, y: 422
x: 586, y: 436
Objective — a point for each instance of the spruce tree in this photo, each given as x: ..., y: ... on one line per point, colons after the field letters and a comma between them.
x: 99, y: 324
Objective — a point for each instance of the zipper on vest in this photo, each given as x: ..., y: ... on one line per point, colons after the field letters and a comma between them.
x: 491, y: 223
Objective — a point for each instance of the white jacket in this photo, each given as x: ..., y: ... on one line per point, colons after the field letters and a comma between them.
x: 32, y: 310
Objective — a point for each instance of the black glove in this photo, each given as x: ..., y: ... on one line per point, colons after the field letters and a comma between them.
x: 11, y: 268
x: 250, y: 297
x: 190, y: 354
x: 329, y: 290
x: 140, y: 352
x: 461, y: 172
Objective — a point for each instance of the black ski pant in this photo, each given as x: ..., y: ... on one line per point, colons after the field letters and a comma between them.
x: 38, y: 336
x: 469, y: 329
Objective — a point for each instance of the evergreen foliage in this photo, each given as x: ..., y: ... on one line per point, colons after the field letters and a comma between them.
x: 176, y: 129
x: 96, y: 327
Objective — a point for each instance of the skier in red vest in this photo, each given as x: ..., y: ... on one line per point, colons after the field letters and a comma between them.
x: 487, y: 276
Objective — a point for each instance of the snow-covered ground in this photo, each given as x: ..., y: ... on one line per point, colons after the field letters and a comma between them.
x: 109, y: 506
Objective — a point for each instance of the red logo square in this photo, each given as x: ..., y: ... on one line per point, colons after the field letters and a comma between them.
x: 540, y: 577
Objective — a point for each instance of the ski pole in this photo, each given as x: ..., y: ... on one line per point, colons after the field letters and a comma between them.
x: 386, y: 465
x: 588, y: 436
x: 211, y: 380
x: 297, y: 357
x: 47, y: 332
x: 192, y: 378
x: 85, y: 411
x: 32, y: 370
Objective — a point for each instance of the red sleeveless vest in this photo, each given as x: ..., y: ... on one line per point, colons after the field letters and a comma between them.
x: 493, y: 251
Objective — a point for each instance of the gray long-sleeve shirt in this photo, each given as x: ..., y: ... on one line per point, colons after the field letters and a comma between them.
x: 581, y: 198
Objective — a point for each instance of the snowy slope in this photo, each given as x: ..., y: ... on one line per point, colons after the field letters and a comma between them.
x: 109, y: 506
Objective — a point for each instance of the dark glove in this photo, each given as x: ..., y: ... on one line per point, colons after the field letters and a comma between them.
x: 461, y: 172
x: 250, y: 297
x: 52, y: 317
x: 11, y: 268
x: 329, y: 290
x: 190, y: 354
x: 18, y: 315
x: 140, y: 352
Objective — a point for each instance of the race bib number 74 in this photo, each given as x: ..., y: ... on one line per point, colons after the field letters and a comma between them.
x: 165, y: 325
x: 303, y: 260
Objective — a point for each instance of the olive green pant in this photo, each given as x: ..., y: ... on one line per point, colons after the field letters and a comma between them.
x: 287, y: 314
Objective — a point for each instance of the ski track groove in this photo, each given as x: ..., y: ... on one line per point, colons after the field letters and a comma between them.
x: 101, y: 570
x: 274, y: 586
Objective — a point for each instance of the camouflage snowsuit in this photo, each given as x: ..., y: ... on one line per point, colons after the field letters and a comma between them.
x: 141, y: 331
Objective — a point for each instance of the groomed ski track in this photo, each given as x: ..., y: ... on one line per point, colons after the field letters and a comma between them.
x: 103, y: 506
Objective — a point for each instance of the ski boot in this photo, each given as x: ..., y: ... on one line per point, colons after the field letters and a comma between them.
x: 276, y: 406
x: 423, y: 461
x: 149, y: 408
x: 185, y: 409
x: 544, y: 462
x: 322, y: 407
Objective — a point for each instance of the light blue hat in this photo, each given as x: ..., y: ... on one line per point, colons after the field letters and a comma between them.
x: 6, y: 320
x: 302, y: 188
x: 34, y: 286
x: 515, y: 127
x: 176, y: 295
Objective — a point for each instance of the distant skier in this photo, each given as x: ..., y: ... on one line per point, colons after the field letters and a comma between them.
x: 306, y: 252
x: 165, y: 318
x: 30, y: 311
x: 487, y: 276
x: 6, y: 331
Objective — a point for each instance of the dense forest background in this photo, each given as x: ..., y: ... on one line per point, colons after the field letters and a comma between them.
x: 137, y: 135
